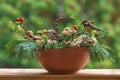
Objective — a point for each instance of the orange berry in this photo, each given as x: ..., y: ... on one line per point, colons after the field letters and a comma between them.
x: 75, y: 27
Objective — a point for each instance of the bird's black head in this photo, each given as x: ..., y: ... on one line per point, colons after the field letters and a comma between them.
x: 85, y: 23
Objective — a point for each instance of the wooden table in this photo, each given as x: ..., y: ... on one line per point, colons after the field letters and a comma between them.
x: 41, y: 74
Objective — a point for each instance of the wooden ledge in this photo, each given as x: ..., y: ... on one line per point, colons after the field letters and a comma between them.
x: 37, y: 74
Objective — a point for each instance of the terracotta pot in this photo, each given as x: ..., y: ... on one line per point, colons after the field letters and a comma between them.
x: 66, y: 60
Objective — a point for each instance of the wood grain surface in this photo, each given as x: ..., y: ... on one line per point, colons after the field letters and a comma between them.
x: 41, y: 74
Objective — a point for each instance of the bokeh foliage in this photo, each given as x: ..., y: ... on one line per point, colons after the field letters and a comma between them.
x: 105, y: 13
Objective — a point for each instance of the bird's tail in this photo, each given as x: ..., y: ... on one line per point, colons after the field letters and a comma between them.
x: 99, y: 30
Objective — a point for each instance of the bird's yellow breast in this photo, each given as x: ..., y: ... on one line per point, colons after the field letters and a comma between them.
x: 88, y: 29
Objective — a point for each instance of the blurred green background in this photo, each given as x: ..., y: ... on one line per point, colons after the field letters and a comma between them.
x: 105, y: 13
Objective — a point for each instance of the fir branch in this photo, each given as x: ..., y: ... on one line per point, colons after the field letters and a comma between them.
x: 10, y: 46
x: 26, y: 48
x: 97, y: 53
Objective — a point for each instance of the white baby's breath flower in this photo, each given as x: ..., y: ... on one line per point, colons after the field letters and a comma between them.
x: 83, y: 36
x: 76, y: 41
x: 67, y: 31
x: 40, y: 42
x: 51, y: 41
x: 51, y: 31
x: 94, y: 40
x: 74, y: 31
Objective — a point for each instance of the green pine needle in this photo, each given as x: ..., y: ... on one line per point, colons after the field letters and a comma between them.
x: 98, y: 52
x: 26, y: 48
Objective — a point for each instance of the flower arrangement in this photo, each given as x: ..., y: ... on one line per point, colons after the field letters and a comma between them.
x: 54, y: 38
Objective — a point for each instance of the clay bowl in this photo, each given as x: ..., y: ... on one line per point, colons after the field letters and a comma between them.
x: 66, y: 60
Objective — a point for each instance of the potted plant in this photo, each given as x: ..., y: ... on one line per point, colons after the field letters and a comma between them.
x: 60, y: 51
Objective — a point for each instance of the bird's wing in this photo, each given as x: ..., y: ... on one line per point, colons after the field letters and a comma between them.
x: 94, y: 27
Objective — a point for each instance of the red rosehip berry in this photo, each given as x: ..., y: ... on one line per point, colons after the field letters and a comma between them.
x: 21, y: 20
x: 75, y: 27
x: 53, y: 35
x: 69, y: 43
x: 35, y: 38
x: 52, y: 38
x: 18, y: 19
x: 78, y: 46
x: 61, y: 18
x: 30, y: 35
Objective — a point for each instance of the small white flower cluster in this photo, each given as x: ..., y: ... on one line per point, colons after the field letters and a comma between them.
x: 68, y: 31
x: 78, y: 40
x: 51, y: 31
x: 51, y: 41
x: 40, y: 42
